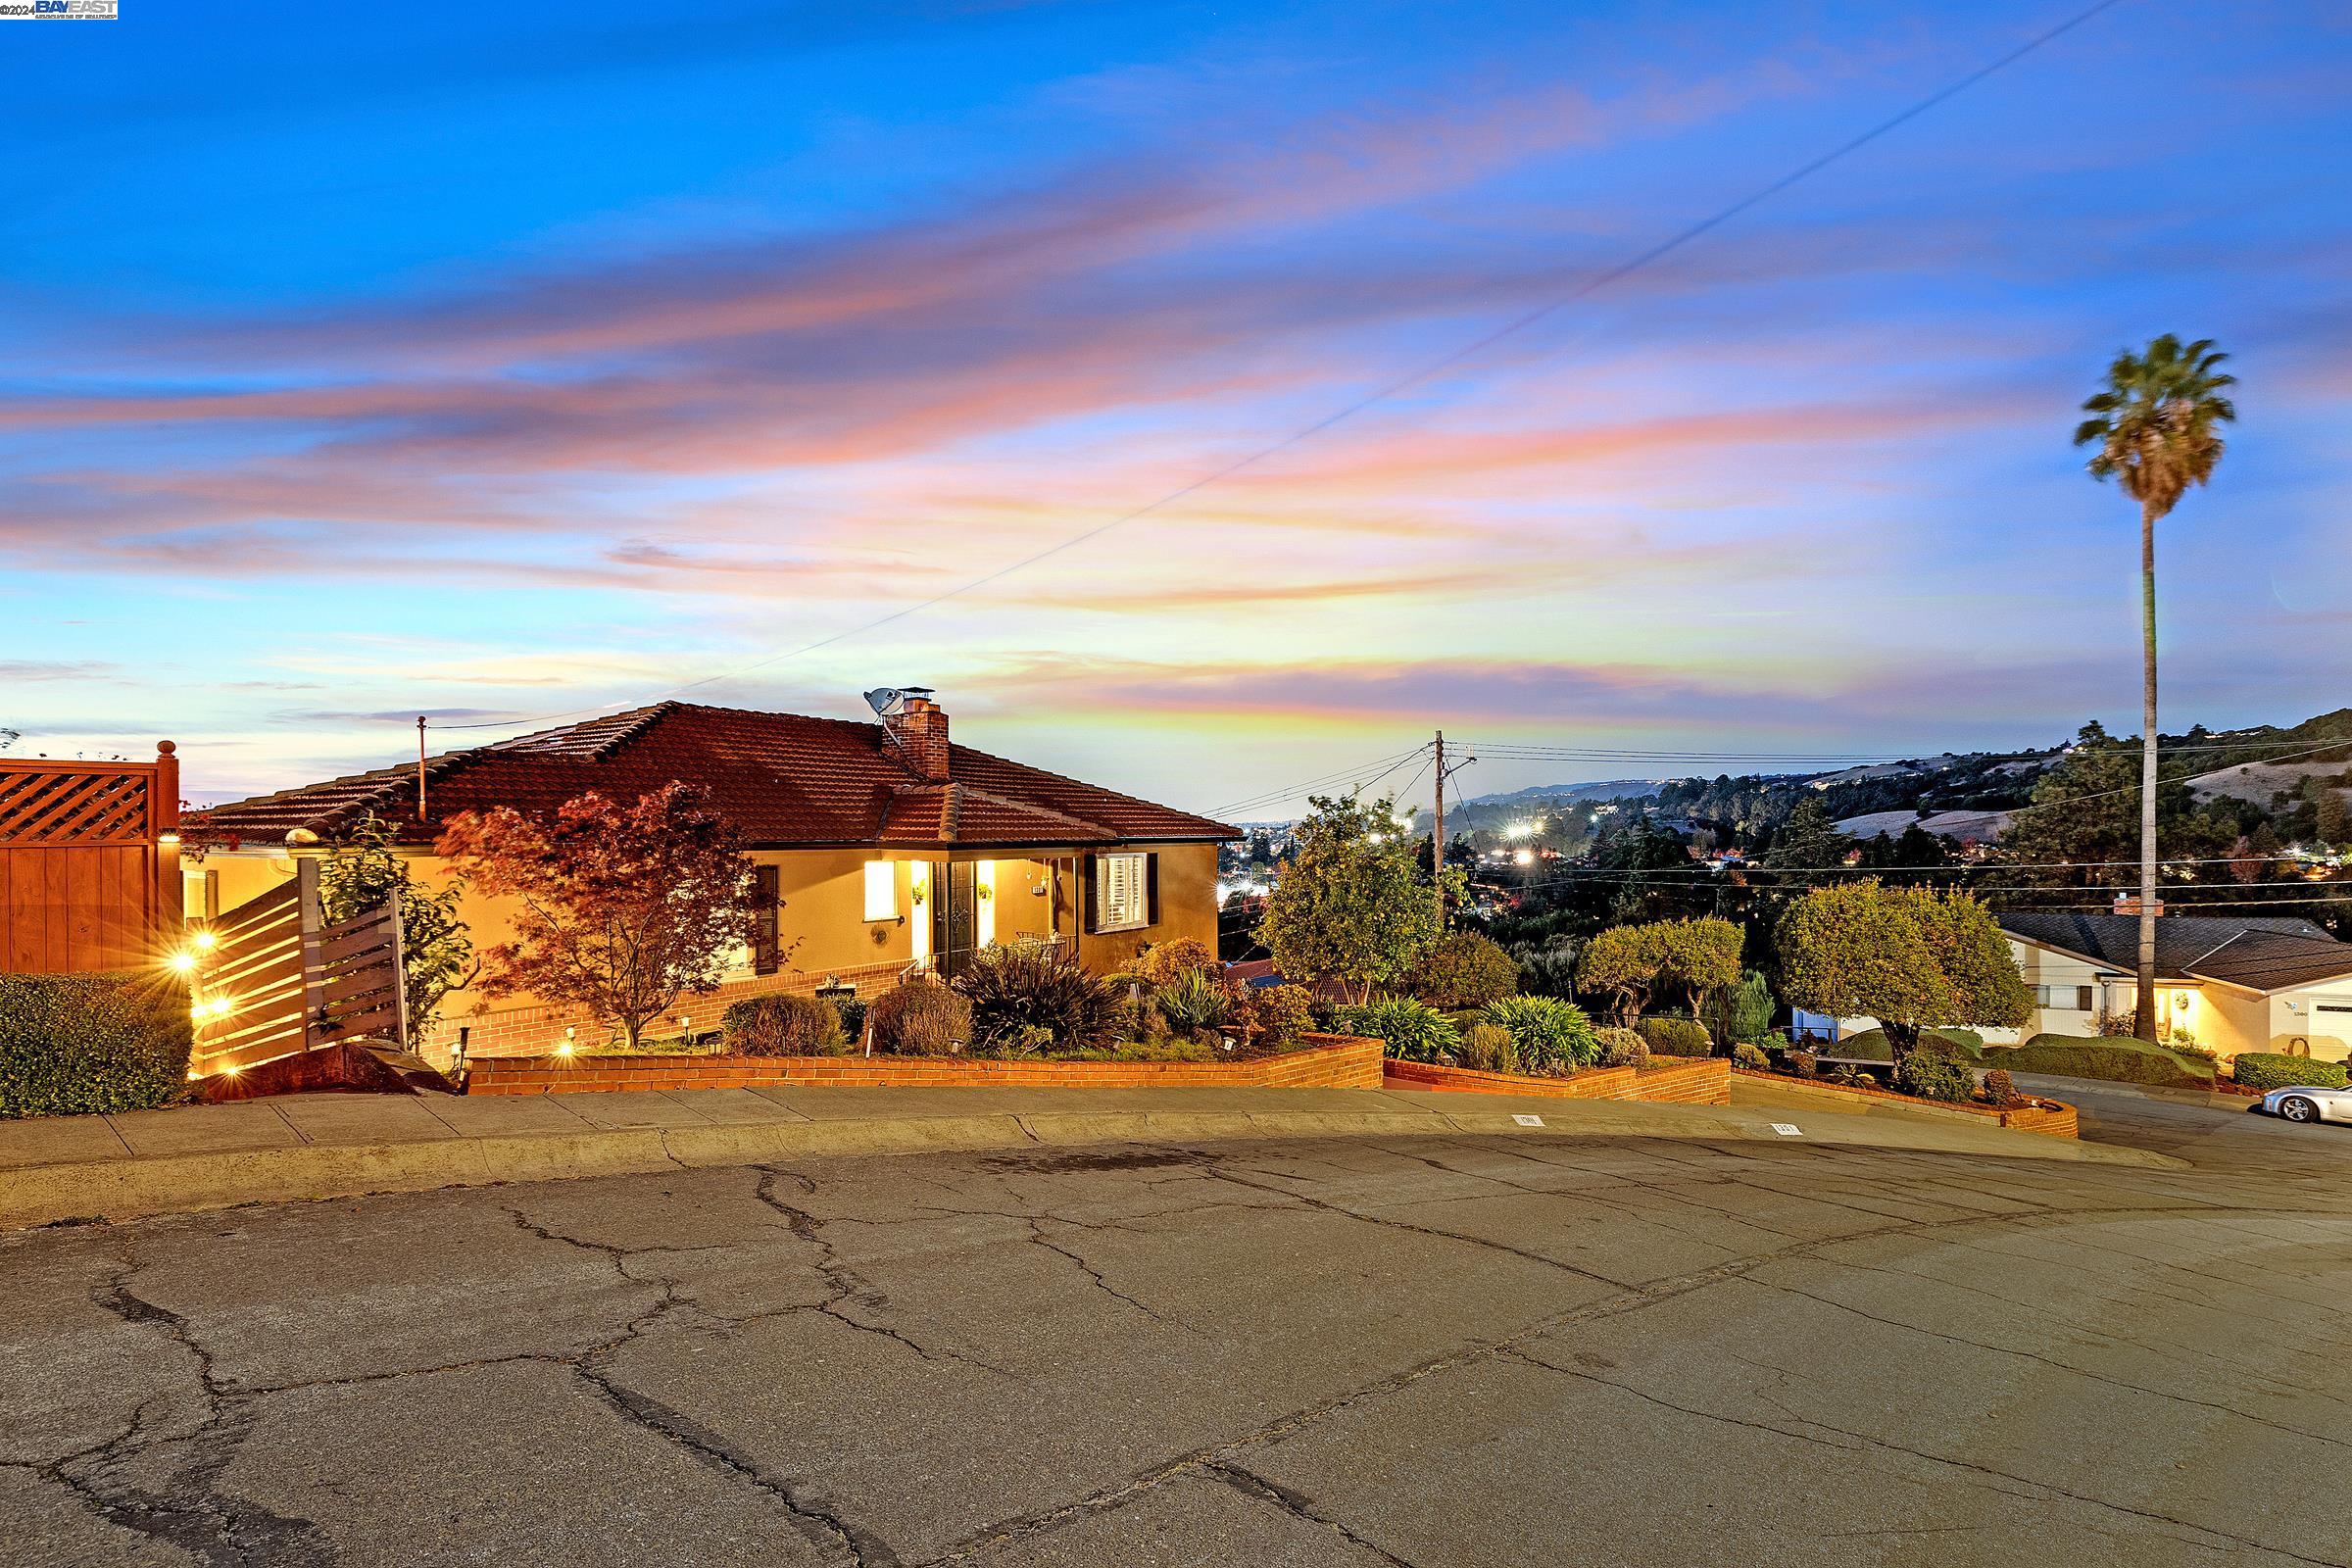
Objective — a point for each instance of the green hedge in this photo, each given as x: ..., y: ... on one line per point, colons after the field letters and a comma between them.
x: 1871, y: 1043
x: 72, y: 1044
x: 1676, y: 1037
x: 2263, y: 1070
x: 2119, y: 1061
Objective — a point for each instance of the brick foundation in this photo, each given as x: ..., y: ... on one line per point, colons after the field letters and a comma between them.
x: 537, y: 1030
x: 1705, y: 1081
x: 1335, y: 1061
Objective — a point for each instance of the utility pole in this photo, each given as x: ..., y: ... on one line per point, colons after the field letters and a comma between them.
x: 420, y: 768
x: 1437, y: 835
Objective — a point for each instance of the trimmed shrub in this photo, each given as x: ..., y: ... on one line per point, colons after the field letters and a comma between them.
x: 853, y: 1018
x: 1553, y: 1035
x: 1410, y: 1030
x: 1937, y: 1074
x: 2113, y: 1059
x: 1750, y: 1056
x: 1279, y: 1015
x: 1490, y: 1048
x: 1872, y: 1045
x: 1620, y: 1047
x: 921, y: 1018
x: 1018, y: 994
x: 2000, y: 1088
x: 1676, y: 1037
x: 782, y: 1026
x: 1803, y: 1063
x: 2263, y: 1070
x: 74, y: 1043
x: 1191, y: 1002
x: 1163, y: 961
x: 1465, y: 970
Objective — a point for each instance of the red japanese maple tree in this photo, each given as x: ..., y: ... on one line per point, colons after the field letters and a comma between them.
x: 621, y: 907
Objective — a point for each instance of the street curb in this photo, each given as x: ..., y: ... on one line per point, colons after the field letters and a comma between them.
x: 142, y: 1187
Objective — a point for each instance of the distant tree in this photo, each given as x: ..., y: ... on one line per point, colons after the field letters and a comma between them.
x: 1911, y: 957
x: 364, y: 873
x: 2155, y: 429
x: 2082, y: 822
x: 1632, y: 964
x: 1808, y: 838
x: 2329, y: 821
x: 620, y: 908
x: 1348, y: 907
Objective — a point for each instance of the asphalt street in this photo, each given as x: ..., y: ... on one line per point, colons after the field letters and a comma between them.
x: 1471, y: 1351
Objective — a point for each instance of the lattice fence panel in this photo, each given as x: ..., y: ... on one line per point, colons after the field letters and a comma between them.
x: 78, y: 805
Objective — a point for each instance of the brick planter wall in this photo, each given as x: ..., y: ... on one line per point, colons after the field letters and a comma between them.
x: 1335, y: 1061
x: 2057, y: 1119
x: 1703, y: 1081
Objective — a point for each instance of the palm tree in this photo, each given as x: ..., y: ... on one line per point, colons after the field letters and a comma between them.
x: 2155, y: 427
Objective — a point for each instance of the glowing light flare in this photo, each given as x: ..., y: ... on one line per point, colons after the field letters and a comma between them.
x: 1524, y: 857
x: 181, y: 963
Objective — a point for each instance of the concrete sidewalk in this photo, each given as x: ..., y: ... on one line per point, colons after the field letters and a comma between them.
x: 299, y: 1146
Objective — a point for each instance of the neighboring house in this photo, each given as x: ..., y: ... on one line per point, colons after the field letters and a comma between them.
x: 876, y: 847
x: 2233, y: 983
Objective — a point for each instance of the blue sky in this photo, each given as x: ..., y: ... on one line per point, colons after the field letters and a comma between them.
x: 505, y: 361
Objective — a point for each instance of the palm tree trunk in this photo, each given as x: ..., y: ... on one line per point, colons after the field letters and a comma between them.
x: 2145, y: 992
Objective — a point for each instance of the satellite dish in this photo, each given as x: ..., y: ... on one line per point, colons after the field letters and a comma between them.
x: 884, y: 700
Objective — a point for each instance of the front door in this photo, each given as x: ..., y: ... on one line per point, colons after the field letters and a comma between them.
x: 952, y: 925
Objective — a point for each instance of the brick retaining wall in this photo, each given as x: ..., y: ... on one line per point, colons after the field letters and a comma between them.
x: 1703, y: 1081
x: 1335, y: 1061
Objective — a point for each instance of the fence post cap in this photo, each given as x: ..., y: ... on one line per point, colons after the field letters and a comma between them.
x: 164, y: 748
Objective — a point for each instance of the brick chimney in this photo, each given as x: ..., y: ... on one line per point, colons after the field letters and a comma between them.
x: 920, y: 727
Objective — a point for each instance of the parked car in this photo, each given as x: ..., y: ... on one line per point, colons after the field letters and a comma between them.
x: 2304, y: 1102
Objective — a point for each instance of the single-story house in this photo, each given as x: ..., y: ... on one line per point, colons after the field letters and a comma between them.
x: 2234, y: 983
x: 876, y: 847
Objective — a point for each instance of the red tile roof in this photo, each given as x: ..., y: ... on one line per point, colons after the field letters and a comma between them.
x: 782, y: 778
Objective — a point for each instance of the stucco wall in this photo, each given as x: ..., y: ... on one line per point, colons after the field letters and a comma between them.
x: 1188, y: 908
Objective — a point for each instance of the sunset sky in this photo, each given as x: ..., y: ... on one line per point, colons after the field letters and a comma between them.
x: 507, y: 361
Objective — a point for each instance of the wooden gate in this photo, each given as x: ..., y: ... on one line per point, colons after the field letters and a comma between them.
x: 90, y: 863
x: 281, y: 979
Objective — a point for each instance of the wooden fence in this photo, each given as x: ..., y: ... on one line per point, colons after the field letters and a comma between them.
x: 281, y: 978
x: 90, y: 863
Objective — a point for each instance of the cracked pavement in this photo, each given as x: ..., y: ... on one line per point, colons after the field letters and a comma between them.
x: 1304, y: 1354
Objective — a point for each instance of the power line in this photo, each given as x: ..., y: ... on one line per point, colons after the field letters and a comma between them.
x: 1382, y: 394
x: 1365, y: 772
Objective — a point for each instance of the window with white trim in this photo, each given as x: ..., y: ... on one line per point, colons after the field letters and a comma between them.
x: 1122, y: 894
x: 2065, y: 998
x: 881, y: 889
